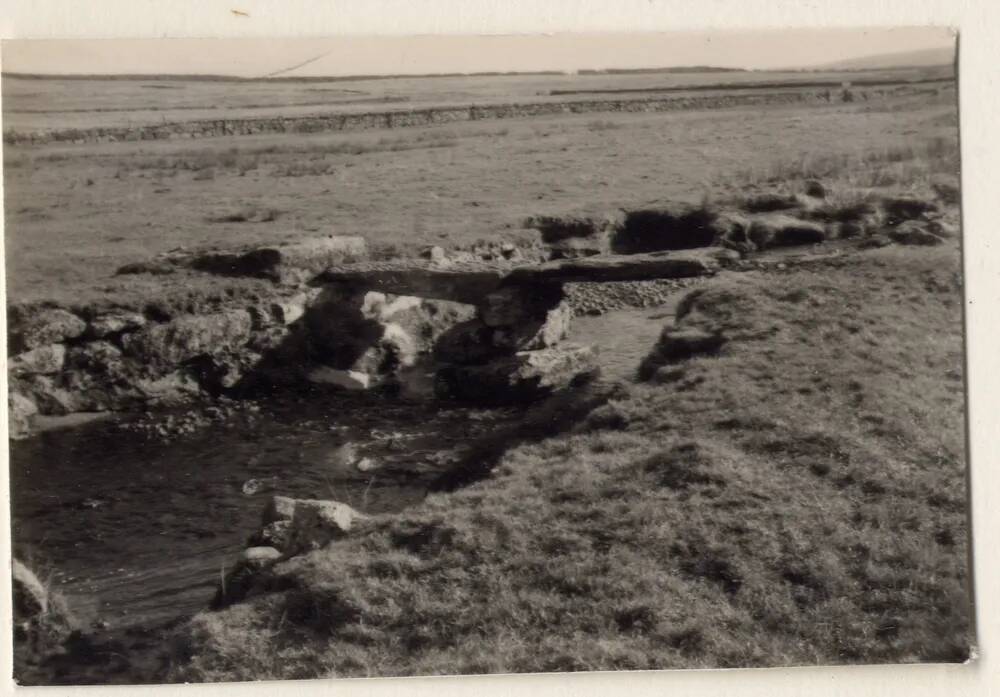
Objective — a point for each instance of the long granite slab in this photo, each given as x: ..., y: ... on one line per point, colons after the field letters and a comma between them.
x: 471, y: 284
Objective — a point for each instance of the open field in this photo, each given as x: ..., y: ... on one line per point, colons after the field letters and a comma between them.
x: 77, y: 213
x: 33, y: 104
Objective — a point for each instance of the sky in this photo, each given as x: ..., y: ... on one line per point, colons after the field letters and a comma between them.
x: 784, y: 48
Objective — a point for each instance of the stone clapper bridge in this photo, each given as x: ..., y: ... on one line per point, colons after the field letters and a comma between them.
x: 511, y: 349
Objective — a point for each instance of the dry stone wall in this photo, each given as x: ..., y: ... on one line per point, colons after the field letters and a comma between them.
x: 321, y: 123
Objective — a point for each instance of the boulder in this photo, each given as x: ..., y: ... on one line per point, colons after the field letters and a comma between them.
x: 536, y: 334
x: 374, y: 335
x: 44, y: 360
x: 522, y: 377
x: 30, y: 597
x: 436, y: 255
x: 95, y: 392
x: 397, y: 348
x: 318, y: 253
x: 282, y: 262
x: 462, y: 256
x: 424, y: 320
x: 734, y: 231
x: 856, y: 217
x: 273, y: 534
x: 271, y: 339
x: 815, y: 189
x: 393, y: 350
x: 21, y: 410
x: 346, y: 379
x: 576, y: 247
x: 259, y: 557
x: 767, y: 203
x: 279, y: 508
x: 188, y: 336
x: 474, y: 342
x: 779, y: 230
x: 253, y: 573
x: 176, y: 387
x: 42, y: 623
x: 304, y: 524
x: 292, y: 309
x: 112, y: 323
x: 220, y: 372
x: 276, y: 522
x: 366, y: 464
x: 51, y: 397
x: 903, y: 208
x: 316, y: 523
x: 496, y: 251
x: 31, y: 328
x: 623, y: 267
x: 571, y: 237
x: 101, y: 357
x: 941, y: 228
x: 678, y: 344
x: 913, y: 233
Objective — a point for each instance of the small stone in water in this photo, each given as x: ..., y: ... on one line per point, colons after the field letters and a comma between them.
x: 260, y: 556
x: 344, y: 455
x: 366, y: 464
x: 251, y: 486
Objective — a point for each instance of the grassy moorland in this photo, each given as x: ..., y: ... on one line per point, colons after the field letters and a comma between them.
x: 798, y: 497
x: 59, y: 102
x: 78, y: 212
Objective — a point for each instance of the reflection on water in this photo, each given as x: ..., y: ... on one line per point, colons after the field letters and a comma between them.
x: 136, y: 531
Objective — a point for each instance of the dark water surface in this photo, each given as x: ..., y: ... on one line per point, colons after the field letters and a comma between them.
x: 135, y: 530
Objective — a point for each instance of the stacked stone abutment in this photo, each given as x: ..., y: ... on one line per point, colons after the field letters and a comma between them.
x: 514, y: 348
x: 485, y: 333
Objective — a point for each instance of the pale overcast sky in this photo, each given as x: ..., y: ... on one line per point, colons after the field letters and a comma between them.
x: 440, y: 54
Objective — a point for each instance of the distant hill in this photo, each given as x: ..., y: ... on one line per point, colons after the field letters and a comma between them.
x: 674, y: 69
x: 906, y: 59
x: 351, y: 78
x: 195, y: 77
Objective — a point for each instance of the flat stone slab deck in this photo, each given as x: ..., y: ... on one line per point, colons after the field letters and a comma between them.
x: 471, y: 282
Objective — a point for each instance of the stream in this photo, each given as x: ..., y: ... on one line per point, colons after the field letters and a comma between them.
x: 135, y: 531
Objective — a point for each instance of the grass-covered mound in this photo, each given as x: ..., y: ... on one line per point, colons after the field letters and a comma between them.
x: 796, y: 496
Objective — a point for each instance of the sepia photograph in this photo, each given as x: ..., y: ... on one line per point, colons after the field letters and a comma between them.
x: 457, y: 355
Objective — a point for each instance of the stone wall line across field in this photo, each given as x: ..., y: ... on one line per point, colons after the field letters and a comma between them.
x: 322, y: 123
